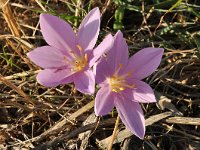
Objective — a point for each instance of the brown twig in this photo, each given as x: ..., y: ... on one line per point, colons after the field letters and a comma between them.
x: 27, y: 61
x: 103, y: 10
x: 73, y: 133
x: 60, y: 124
x: 126, y: 133
x: 14, y: 28
x: 10, y: 19
x: 114, y: 133
x: 184, y: 120
x: 145, y: 22
x: 18, y: 90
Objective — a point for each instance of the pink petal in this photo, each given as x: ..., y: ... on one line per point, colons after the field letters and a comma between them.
x: 89, y: 29
x: 47, y: 57
x: 102, y: 70
x: 132, y: 116
x: 52, y: 77
x: 102, y: 48
x: 145, y: 62
x: 66, y: 80
x: 104, y: 101
x: 85, y: 82
x: 58, y: 33
x: 118, y: 54
x: 142, y: 92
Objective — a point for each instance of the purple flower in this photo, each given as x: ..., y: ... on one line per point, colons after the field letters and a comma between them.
x: 69, y: 56
x: 121, y: 85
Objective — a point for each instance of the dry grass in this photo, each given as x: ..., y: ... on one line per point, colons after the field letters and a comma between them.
x: 35, y: 117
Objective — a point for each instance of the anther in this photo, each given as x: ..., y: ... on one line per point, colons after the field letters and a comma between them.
x: 79, y: 47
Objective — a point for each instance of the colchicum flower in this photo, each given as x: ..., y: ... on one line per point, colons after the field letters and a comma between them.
x: 121, y: 86
x: 69, y: 56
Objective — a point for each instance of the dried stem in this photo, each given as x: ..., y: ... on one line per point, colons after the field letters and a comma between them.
x: 10, y: 19
x: 106, y: 4
x: 114, y: 133
x: 18, y: 90
x: 14, y: 28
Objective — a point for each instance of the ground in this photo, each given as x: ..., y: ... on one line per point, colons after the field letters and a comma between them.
x: 36, y: 117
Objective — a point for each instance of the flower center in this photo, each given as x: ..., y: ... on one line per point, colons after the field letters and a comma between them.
x: 79, y: 61
x: 119, y: 83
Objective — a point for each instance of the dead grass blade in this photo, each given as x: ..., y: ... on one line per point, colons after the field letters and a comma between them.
x: 18, y: 90
x: 183, y: 120
x: 10, y: 19
x: 126, y: 133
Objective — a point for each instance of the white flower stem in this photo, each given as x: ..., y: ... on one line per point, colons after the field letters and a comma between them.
x: 114, y: 133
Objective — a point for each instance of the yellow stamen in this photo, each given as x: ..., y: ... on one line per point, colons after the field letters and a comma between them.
x: 118, y: 69
x: 79, y: 47
x: 114, y: 90
x: 86, y: 57
x: 80, y: 63
x: 119, y: 82
x: 121, y: 88
x: 120, y: 66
